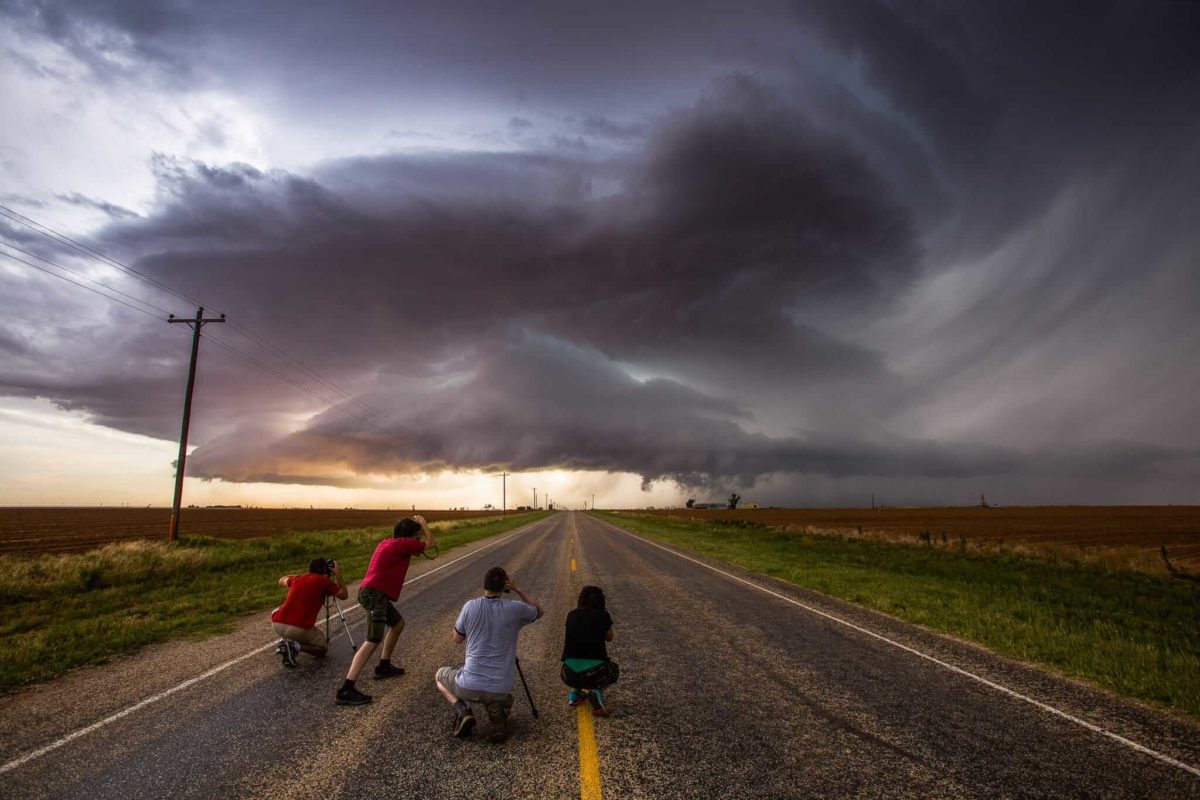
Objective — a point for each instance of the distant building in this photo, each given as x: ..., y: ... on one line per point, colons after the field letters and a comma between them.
x: 748, y: 505
x: 710, y: 505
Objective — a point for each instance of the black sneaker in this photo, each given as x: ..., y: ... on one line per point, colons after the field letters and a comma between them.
x: 352, y: 697
x: 288, y: 651
x: 464, y: 723
x: 386, y: 669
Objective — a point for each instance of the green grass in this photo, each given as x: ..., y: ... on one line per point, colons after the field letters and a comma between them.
x: 64, y: 611
x: 1133, y: 633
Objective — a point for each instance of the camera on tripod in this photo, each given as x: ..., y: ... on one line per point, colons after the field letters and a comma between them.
x: 329, y: 565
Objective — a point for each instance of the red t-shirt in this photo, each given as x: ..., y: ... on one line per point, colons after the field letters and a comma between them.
x: 306, y: 595
x: 389, y: 565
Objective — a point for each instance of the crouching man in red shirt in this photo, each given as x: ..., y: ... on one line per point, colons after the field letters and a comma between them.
x: 296, y: 620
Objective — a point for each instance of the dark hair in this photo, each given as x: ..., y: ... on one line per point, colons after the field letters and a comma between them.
x: 407, y: 527
x: 591, y: 597
x: 495, y: 579
x: 317, y: 565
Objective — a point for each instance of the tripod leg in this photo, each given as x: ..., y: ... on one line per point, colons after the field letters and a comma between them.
x: 528, y: 696
x: 342, y: 617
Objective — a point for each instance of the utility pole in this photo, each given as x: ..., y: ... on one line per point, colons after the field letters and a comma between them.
x: 535, y: 498
x: 503, y: 493
x: 593, y: 501
x: 197, y: 323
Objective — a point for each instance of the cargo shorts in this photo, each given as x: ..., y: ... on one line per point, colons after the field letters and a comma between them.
x: 448, y: 677
x: 381, y: 613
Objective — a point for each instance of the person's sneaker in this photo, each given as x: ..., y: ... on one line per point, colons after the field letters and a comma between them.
x: 288, y: 651
x: 386, y: 669
x: 576, y: 697
x: 464, y: 723
x: 352, y: 697
x: 598, y: 707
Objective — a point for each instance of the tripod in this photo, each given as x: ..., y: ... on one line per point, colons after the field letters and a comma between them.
x: 532, y: 707
x: 342, y: 617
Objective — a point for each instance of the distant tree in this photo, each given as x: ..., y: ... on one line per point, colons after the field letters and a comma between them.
x: 734, y: 499
x: 691, y: 502
x: 487, y: 506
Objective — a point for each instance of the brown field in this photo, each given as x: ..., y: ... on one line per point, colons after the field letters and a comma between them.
x: 1138, y: 531
x: 63, y: 530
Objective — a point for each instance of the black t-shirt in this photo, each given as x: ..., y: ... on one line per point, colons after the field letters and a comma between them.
x: 586, y: 628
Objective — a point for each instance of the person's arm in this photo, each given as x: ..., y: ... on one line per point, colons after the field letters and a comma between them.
x: 526, y: 598
x: 430, y: 539
x: 342, y: 592
x: 459, y: 626
x: 285, y: 580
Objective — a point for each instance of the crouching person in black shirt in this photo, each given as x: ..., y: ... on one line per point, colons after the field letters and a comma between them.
x: 586, y: 667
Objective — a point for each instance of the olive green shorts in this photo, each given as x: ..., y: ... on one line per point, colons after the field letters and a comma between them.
x: 381, y: 613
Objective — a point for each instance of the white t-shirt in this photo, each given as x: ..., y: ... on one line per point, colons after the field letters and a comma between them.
x: 491, y: 626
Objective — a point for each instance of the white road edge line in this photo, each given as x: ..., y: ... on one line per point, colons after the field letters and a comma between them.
x: 70, y: 737
x: 1003, y: 689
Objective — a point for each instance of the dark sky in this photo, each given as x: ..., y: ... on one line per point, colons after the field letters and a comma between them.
x: 806, y: 250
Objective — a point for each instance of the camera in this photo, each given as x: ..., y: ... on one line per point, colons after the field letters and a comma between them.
x: 329, y: 565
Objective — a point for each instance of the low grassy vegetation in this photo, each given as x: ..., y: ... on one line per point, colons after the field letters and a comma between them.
x: 1131, y: 632
x: 63, y: 611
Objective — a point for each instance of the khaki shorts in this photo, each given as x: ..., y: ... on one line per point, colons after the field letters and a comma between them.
x: 314, y: 636
x: 448, y: 677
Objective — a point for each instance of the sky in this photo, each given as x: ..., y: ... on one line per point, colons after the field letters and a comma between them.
x: 810, y: 252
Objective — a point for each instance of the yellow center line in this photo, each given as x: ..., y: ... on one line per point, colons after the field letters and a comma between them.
x: 589, y: 761
x: 572, y: 565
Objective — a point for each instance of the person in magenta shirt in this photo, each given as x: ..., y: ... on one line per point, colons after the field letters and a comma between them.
x: 377, y: 594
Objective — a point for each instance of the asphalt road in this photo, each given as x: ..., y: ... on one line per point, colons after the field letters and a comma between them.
x: 727, y: 691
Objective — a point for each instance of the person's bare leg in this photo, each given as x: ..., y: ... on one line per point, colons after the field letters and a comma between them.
x: 360, y: 660
x: 451, y: 699
x: 389, y: 641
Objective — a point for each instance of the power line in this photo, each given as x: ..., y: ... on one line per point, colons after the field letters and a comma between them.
x: 45, y: 260
x: 254, y: 337
x: 80, y: 285
x: 228, y: 347
x: 63, y: 239
x: 67, y: 241
x: 255, y: 362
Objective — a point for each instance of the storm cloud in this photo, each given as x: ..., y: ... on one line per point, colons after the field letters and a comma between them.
x: 909, y: 244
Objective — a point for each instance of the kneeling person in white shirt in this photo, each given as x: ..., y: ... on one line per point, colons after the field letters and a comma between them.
x: 489, y: 625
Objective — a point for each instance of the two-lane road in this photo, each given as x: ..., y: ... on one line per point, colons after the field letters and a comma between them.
x: 733, y: 685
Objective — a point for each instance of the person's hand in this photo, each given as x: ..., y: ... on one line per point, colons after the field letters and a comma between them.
x: 420, y: 519
x: 511, y: 584
x: 337, y: 570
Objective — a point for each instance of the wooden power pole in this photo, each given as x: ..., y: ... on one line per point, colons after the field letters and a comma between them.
x: 197, y: 323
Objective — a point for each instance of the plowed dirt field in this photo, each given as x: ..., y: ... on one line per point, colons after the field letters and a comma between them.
x: 64, y: 530
x: 1089, y: 527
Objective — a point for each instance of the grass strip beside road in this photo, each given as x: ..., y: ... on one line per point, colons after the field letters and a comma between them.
x: 1129, y: 632
x: 64, y: 611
